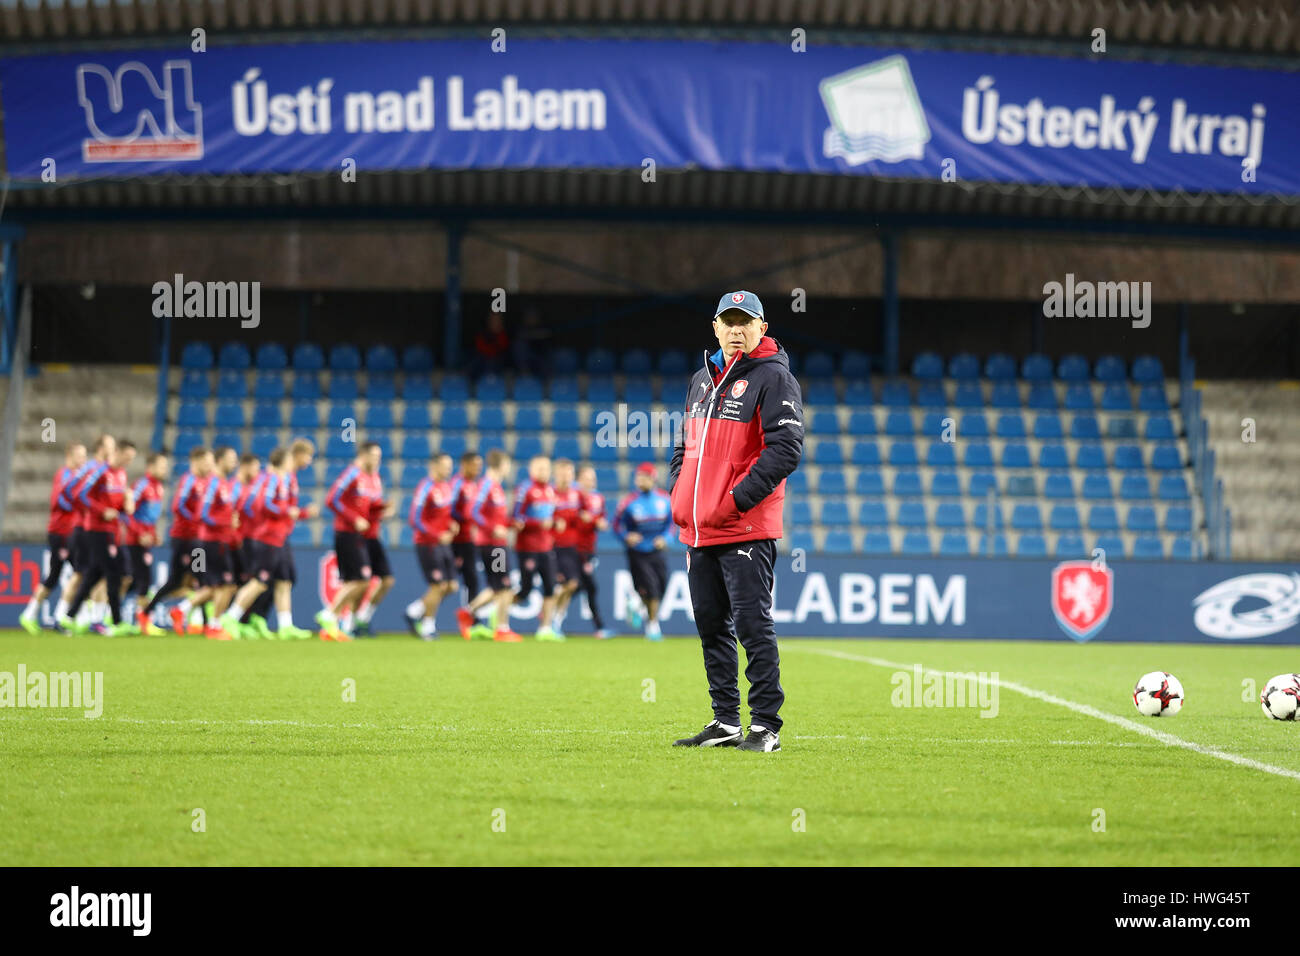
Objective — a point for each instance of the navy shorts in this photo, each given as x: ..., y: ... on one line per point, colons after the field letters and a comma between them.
x: 352, y: 555
x: 271, y: 562
x: 496, y: 565
x: 437, y: 563
x: 568, y: 565
x: 541, y: 564
x: 649, y: 573
x: 60, y: 554
x: 378, y: 557
x: 218, y: 571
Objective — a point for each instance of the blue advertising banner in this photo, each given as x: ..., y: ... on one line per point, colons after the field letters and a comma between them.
x: 824, y: 596
x: 614, y: 104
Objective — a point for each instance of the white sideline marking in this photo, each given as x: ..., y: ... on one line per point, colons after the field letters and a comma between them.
x: 1085, y: 709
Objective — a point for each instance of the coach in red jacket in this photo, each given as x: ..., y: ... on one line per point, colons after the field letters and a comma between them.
x: 742, y: 435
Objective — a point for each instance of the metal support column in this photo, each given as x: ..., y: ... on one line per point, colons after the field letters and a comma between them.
x: 889, y: 292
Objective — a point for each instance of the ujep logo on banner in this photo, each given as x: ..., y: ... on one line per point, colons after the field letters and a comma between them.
x: 875, y: 114
x: 132, y: 117
x: 1224, y: 610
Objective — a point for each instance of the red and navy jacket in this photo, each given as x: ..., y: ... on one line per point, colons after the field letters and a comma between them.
x: 353, y: 496
x: 185, y: 506
x: 535, y: 507
x: 217, y: 510
x: 431, y: 511
x: 463, y: 494
x: 489, y: 512
x: 63, y: 513
x: 742, y: 435
x: 591, y: 509
x: 568, y: 505
x: 148, y: 493
x: 103, y: 488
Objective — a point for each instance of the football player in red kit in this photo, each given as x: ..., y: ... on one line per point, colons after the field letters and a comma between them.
x: 492, y: 516
x: 433, y: 529
x: 63, y: 519
x: 534, y: 521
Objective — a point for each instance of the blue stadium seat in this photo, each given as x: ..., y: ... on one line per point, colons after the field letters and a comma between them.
x: 453, y: 417
x: 993, y: 546
x: 1172, y: 488
x: 336, y: 449
x: 1084, y: 428
x: 379, y: 416
x: 307, y: 357
x: 491, y: 418
x: 417, y: 360
x: 489, y: 388
x: 911, y: 514
x: 231, y: 384
x: 1159, y: 428
x: 343, y: 386
x: 1073, y: 368
x: 528, y: 446
x: 1152, y: 398
x: 862, y: 422
x: 600, y: 361
x: 415, y: 417
x: 855, y: 364
x: 564, y: 361
x: 528, y: 389
x: 1016, y: 455
x: 949, y: 514
x: 1096, y: 486
x: 411, y: 475
x: 933, y: 424
x: 304, y: 417
x: 954, y: 544
x: 1042, y: 398
x: 228, y: 439
x: 1036, y: 367
x: 832, y: 482
x: 916, y: 542
x: 1110, y: 368
x: 185, y: 440
x: 638, y: 391
x: 455, y: 388
x: 870, y: 483
x: 267, y: 415
x: 964, y: 367
x: 1103, y: 518
x: 1031, y: 546
x: 796, y: 483
x: 385, y: 443
x: 564, y: 389
x: 271, y: 356
x: 828, y: 453
x: 193, y: 415
x: 968, y: 395
x: 417, y: 388
x: 1183, y: 549
x: 305, y: 386
x: 673, y: 362
x: 564, y: 419
x: 567, y: 446
x: 1178, y: 518
x: 1005, y: 395
x: 825, y: 423
x: 838, y: 542
x: 1048, y: 427
x: 1166, y: 457
x: 927, y: 366
x: 1053, y: 456
x: 981, y: 483
x: 941, y: 454
x: 1115, y: 397
x: 228, y: 415
x: 234, y: 355
x: 636, y: 362
x: 1128, y: 457
x: 1112, y: 544
x: 1065, y: 518
x: 194, y: 384
x: 931, y: 395
x: 835, y: 514
x: 1000, y: 367
x: 1011, y: 425
x: 980, y: 519
x: 345, y: 358
x: 380, y: 358
x: 338, y: 414
x: 902, y: 454
x: 1078, y: 398
x: 1147, y: 370
x: 873, y: 514
x: 263, y: 444
x: 528, y: 418
x: 197, y: 355
x: 800, y: 513
x: 454, y: 444
x: 381, y: 386
x: 1121, y: 427
x: 268, y: 386
x: 1058, y: 484
x: 944, y: 484
x: 898, y: 424
x: 866, y: 453
x: 1022, y: 486
x: 1070, y: 546
x: 973, y: 425
x: 641, y: 452
x: 1148, y: 547
x: 1141, y: 518
x: 1090, y: 456
x: 602, y: 390
x: 895, y: 395
x: 978, y: 455
x: 877, y: 542
x: 820, y: 392
x: 1026, y: 517
x: 907, y: 483
x: 819, y: 365
x: 858, y: 393
x: 802, y: 541
x: 301, y: 535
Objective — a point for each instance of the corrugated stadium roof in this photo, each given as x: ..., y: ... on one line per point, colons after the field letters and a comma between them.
x: 1253, y: 26
x: 696, y: 194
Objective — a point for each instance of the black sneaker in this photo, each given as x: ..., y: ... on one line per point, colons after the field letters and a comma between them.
x: 714, y: 735
x: 760, y: 740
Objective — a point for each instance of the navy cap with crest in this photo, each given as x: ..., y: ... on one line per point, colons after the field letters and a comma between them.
x: 744, y: 301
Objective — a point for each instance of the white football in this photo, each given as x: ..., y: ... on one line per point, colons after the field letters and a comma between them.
x: 1281, y: 697
x: 1158, y: 694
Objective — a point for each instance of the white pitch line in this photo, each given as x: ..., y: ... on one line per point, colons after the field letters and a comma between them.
x: 1085, y: 709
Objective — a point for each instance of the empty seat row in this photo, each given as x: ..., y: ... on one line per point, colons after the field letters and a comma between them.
x: 945, y: 425
x: 1114, y: 396
x: 306, y: 356
x: 1028, y: 545
x: 1164, y: 456
x: 906, y: 483
x: 1037, y: 368
x: 956, y: 515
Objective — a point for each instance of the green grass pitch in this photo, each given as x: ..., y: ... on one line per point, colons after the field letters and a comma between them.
x: 469, y: 753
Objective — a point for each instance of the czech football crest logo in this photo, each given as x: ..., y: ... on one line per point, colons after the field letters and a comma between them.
x: 737, y: 297
x: 738, y: 389
x: 1082, y: 598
